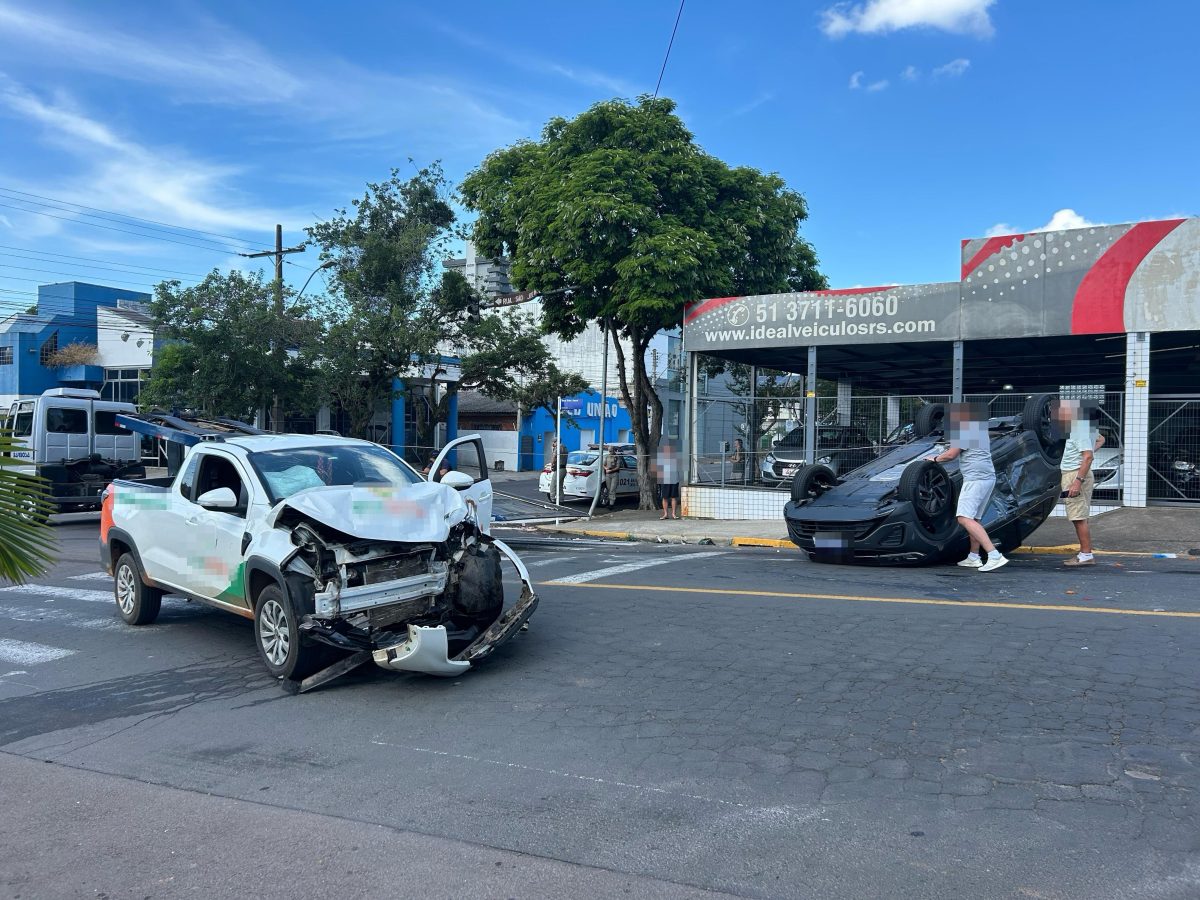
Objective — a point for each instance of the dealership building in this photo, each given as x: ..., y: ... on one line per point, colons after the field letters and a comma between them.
x: 1109, y: 314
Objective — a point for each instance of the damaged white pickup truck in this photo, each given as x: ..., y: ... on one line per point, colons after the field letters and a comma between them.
x: 340, y: 552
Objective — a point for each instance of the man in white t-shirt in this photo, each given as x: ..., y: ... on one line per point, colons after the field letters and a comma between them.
x: 971, y: 443
x: 1083, y: 440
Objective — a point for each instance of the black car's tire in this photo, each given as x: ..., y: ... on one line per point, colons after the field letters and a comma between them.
x: 928, y: 487
x: 929, y: 418
x: 811, y: 482
x: 284, y: 651
x: 137, y: 602
x: 1038, y: 417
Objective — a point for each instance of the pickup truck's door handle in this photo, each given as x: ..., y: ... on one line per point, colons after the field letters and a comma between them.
x: 194, y: 520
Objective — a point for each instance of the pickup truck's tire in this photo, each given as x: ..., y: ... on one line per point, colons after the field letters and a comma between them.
x: 283, y: 649
x: 137, y: 602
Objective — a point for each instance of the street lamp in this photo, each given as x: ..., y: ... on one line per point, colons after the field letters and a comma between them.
x: 328, y: 264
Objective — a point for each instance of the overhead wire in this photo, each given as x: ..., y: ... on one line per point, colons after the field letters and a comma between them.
x: 88, y: 259
x: 670, y: 44
x: 141, y: 234
x: 121, y: 218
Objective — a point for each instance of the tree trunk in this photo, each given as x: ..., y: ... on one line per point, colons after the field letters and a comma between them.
x: 645, y: 411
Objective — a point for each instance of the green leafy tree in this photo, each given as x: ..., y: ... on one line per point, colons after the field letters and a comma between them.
x: 389, y: 309
x: 219, y: 359
x: 508, y: 360
x: 394, y: 313
x: 26, y: 540
x: 618, y: 214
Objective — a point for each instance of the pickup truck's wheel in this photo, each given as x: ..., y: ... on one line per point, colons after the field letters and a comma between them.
x: 277, y: 634
x: 137, y: 603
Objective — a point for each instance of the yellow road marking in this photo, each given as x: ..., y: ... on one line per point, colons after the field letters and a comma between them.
x: 856, y: 598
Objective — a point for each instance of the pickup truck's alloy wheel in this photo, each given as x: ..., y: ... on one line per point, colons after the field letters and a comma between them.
x: 277, y: 634
x: 137, y: 603
x: 273, y: 632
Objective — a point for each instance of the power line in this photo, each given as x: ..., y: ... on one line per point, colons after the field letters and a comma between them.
x: 4, y: 266
x: 141, y: 234
x: 670, y: 44
x: 150, y: 270
x: 123, y: 216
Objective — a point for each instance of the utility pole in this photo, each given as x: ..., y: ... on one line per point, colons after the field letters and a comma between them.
x: 278, y: 348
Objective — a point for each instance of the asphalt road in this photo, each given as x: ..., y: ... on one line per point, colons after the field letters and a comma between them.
x: 676, y: 721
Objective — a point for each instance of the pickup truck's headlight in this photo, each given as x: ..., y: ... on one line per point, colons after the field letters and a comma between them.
x: 1181, y: 466
x: 769, y: 459
x: 825, y: 460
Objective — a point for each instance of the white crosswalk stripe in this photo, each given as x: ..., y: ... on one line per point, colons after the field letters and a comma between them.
x: 630, y: 567
x: 53, y: 592
x: 27, y: 653
x: 92, y: 576
x: 65, y: 617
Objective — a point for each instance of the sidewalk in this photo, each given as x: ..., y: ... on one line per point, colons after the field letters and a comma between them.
x: 1137, y: 531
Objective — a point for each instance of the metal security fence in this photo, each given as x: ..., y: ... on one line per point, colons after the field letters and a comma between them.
x: 739, y: 442
x: 1173, y: 449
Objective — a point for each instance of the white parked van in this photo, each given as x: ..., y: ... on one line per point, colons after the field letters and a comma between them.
x: 69, y: 436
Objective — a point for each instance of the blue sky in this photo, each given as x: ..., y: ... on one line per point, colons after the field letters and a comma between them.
x: 908, y: 124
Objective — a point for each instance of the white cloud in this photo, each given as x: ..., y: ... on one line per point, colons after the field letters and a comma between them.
x: 214, y: 63
x: 880, y: 85
x: 883, y: 16
x: 952, y: 69
x: 910, y: 73
x: 856, y: 80
x: 754, y: 104
x: 1066, y: 219
x: 1063, y: 220
x: 131, y: 178
x: 537, y: 62
x: 207, y: 63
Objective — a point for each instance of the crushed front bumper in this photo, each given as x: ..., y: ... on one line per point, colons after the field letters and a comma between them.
x: 426, y: 648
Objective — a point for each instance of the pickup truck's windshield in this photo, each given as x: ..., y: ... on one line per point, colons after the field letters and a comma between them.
x: 287, y: 472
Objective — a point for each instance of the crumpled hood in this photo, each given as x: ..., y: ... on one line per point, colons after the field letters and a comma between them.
x: 417, y: 513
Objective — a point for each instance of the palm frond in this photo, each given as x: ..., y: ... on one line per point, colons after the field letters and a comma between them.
x: 27, y: 544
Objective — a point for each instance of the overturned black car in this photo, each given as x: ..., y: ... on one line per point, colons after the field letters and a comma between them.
x: 899, y: 509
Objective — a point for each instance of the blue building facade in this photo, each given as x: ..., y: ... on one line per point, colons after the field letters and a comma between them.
x: 578, y: 428
x: 66, y: 313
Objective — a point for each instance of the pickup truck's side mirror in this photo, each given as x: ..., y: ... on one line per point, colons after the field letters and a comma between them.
x: 218, y: 498
x: 457, y: 480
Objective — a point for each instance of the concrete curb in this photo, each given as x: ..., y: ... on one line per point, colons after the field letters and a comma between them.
x: 784, y: 544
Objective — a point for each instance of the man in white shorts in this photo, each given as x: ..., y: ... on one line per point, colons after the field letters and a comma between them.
x: 972, y: 445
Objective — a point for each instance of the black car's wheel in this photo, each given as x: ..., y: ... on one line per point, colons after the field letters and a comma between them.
x: 277, y: 633
x: 929, y: 418
x: 927, y: 486
x: 1038, y: 417
x: 811, y: 482
x: 137, y: 603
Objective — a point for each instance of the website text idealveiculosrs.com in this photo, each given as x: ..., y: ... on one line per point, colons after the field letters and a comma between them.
x: 833, y: 329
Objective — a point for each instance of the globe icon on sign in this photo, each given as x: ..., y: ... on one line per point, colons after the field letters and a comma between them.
x: 738, y: 314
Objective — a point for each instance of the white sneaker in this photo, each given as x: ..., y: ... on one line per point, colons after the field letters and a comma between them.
x: 993, y: 563
x: 971, y: 562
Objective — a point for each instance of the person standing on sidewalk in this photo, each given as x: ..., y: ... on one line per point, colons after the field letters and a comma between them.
x: 612, y: 473
x: 1083, y: 440
x: 972, y: 445
x: 668, y: 480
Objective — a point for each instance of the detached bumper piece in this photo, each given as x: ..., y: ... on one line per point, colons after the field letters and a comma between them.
x: 426, y: 649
